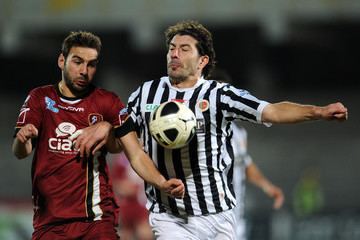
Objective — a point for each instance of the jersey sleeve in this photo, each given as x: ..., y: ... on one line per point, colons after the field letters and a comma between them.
x: 31, y: 111
x: 240, y: 104
x: 130, y: 115
x: 133, y: 107
x: 247, y: 160
x: 115, y: 112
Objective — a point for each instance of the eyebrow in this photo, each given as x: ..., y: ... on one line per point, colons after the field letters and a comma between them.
x: 181, y: 45
x: 80, y: 58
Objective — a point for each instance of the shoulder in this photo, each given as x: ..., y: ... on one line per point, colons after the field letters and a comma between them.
x: 42, y: 91
x: 228, y: 89
x: 222, y: 86
x: 154, y: 81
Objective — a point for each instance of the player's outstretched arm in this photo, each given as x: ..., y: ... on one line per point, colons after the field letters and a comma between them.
x: 255, y: 176
x: 145, y: 168
x: 92, y: 138
x: 22, y: 145
x: 288, y: 112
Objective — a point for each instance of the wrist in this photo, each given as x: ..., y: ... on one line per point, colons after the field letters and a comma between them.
x: 106, y: 124
x: 266, y: 188
x: 317, y: 112
x: 161, y: 183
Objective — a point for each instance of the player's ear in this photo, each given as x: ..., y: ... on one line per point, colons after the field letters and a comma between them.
x: 204, y: 60
x: 61, y: 61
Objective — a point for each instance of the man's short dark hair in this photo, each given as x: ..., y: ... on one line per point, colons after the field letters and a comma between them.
x: 80, y: 39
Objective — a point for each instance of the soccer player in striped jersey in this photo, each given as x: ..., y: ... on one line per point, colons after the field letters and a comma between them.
x: 207, y: 209
x: 72, y: 193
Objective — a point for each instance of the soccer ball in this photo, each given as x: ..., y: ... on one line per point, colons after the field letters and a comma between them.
x: 172, y: 125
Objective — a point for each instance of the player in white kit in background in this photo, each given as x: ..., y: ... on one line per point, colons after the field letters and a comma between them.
x: 246, y: 169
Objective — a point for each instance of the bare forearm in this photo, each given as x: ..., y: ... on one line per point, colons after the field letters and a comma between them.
x: 140, y: 161
x: 146, y: 169
x: 288, y: 112
x: 254, y: 176
x: 113, y: 144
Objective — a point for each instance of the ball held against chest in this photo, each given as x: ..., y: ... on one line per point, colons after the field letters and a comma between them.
x: 172, y: 125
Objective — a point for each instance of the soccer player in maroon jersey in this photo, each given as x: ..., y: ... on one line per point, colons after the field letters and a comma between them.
x: 72, y: 193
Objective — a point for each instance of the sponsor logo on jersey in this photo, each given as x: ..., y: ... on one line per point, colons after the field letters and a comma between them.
x: 200, y: 125
x: 242, y: 92
x: 50, y: 104
x: 71, y: 108
x: 150, y: 107
x: 61, y: 143
x: 95, y: 118
x: 203, y: 105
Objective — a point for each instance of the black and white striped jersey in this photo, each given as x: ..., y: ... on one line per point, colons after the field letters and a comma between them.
x: 206, y: 164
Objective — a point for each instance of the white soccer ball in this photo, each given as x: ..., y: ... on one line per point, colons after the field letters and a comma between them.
x: 172, y: 125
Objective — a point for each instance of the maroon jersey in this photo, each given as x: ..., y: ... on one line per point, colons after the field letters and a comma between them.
x: 66, y: 187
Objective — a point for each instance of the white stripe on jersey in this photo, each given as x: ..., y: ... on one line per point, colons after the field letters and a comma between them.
x: 96, y: 194
x: 206, y: 164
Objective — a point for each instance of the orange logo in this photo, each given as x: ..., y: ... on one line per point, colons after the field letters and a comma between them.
x: 203, y: 105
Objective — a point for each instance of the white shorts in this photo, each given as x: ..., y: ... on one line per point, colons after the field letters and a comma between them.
x: 220, y: 226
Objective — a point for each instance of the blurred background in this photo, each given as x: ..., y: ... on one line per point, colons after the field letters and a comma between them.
x: 302, y: 51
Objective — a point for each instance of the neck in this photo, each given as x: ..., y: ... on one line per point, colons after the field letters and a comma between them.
x: 64, y: 90
x: 184, y: 83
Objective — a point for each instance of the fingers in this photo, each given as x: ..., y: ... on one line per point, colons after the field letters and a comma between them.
x: 89, y: 140
x: 278, y: 198
x: 81, y: 142
x: 86, y: 146
x: 21, y: 136
x: 174, y: 188
x: 178, y: 192
x: 76, y: 134
x: 341, y: 116
x: 27, y: 132
x: 337, y: 111
x: 98, y: 146
x: 278, y: 202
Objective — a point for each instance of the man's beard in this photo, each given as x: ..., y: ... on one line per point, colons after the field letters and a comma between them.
x: 77, y: 91
x: 176, y: 78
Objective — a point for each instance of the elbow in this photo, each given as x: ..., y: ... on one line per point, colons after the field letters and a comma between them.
x: 269, y: 114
